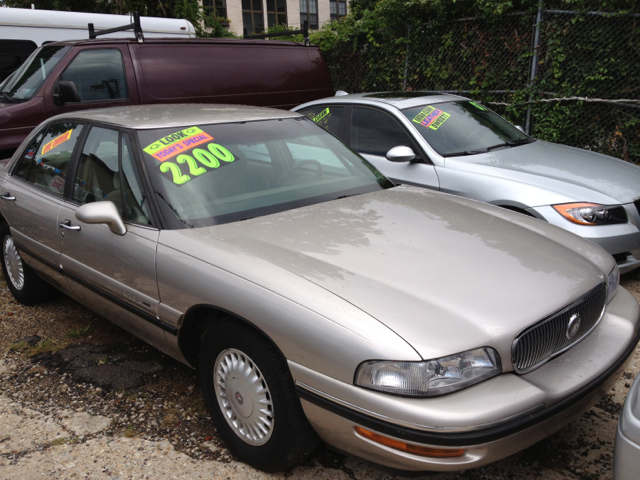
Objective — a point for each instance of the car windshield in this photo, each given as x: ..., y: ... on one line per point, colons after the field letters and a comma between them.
x: 27, y: 80
x: 463, y: 128
x: 212, y: 174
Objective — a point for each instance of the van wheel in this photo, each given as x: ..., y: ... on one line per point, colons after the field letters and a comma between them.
x: 249, y: 393
x: 27, y: 287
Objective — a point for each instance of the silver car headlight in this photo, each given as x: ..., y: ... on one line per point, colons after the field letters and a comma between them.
x: 612, y: 283
x: 431, y: 377
x: 592, y: 214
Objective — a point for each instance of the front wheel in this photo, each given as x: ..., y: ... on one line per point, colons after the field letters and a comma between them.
x: 23, y: 282
x: 249, y: 393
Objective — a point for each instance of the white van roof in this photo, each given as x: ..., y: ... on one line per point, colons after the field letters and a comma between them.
x: 53, y: 26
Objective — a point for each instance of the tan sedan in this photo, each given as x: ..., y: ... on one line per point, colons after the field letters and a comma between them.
x: 414, y: 329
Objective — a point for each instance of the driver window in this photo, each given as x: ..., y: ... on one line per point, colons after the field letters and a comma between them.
x: 99, y: 75
x: 105, y: 173
x: 98, y: 176
x: 375, y: 132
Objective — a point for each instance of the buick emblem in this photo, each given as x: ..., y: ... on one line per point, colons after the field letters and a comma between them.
x: 573, y: 326
x: 239, y: 398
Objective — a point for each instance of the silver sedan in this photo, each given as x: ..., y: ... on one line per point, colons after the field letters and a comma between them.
x: 459, y: 146
x: 417, y: 330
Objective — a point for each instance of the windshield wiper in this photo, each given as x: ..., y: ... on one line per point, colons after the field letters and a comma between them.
x: 511, y: 143
x: 8, y: 96
x: 464, y: 152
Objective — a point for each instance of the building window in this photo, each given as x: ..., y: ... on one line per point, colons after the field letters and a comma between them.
x: 276, y: 12
x: 217, y: 8
x: 252, y: 17
x: 337, y: 9
x: 309, y: 13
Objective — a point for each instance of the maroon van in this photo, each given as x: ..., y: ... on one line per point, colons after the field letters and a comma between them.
x: 77, y: 75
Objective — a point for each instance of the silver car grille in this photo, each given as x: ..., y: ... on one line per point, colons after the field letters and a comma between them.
x: 550, y: 337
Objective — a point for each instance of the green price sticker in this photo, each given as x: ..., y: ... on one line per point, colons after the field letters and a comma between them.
x: 200, y: 161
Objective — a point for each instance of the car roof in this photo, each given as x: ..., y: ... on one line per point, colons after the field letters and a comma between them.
x: 175, y: 41
x: 142, y: 117
x: 400, y: 100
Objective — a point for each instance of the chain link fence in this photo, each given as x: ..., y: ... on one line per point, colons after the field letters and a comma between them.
x: 568, y: 77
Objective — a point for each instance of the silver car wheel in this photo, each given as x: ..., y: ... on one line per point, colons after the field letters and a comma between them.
x: 243, y: 396
x: 13, y: 262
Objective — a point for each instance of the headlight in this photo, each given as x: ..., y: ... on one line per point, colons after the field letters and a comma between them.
x: 431, y: 377
x: 612, y: 283
x: 592, y: 214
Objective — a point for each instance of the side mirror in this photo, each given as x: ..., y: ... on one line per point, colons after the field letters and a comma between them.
x: 102, y: 212
x: 401, y: 154
x: 64, y: 92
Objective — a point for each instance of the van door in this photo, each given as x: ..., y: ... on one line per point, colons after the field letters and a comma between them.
x: 103, y: 76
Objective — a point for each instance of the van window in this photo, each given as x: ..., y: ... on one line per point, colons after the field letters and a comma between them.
x: 13, y: 53
x: 28, y: 79
x: 99, y: 75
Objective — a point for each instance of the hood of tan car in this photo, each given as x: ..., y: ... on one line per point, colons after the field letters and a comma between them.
x: 445, y: 273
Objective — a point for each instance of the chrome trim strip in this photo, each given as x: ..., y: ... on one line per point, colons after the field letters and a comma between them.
x: 549, y: 318
x: 385, y: 418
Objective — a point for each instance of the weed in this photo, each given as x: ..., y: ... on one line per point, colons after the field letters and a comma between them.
x: 18, y: 346
x: 78, y: 332
x: 46, y: 345
x: 58, y: 441
x: 130, y: 431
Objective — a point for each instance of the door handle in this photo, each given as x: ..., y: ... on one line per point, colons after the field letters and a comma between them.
x: 7, y: 196
x: 67, y: 224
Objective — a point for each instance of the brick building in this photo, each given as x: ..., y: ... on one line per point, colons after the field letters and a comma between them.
x: 255, y: 16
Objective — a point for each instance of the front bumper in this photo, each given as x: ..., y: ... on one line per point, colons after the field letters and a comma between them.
x: 626, y: 455
x: 620, y: 240
x: 492, y: 419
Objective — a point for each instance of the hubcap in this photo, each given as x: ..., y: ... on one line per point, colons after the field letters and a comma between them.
x: 243, y: 396
x: 13, y: 262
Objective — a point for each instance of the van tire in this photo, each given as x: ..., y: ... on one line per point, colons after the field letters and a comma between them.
x: 254, y: 375
x: 25, y: 285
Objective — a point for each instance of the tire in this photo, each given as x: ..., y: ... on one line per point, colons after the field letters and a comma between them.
x: 25, y: 285
x: 282, y: 436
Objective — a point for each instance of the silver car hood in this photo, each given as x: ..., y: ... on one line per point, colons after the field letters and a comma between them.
x: 563, y: 169
x: 445, y: 273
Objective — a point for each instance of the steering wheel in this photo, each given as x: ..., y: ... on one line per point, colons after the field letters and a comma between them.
x: 290, y: 170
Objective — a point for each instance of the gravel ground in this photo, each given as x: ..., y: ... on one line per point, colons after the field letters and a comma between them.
x: 81, y: 398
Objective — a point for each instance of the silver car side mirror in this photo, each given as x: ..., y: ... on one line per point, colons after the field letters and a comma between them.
x: 102, y: 212
x: 401, y: 154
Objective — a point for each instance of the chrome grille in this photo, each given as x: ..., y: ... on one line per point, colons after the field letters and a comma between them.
x: 548, y: 338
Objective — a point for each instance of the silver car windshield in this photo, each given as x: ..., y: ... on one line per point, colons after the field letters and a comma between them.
x: 463, y: 128
x: 213, y: 174
x: 27, y: 80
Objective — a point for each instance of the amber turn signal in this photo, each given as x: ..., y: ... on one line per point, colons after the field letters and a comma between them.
x: 408, y: 447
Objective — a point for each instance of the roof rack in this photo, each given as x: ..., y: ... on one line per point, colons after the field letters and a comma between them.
x: 135, y: 25
x: 304, y: 31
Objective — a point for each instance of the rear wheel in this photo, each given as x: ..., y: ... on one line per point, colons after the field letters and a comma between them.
x: 249, y: 392
x: 23, y: 282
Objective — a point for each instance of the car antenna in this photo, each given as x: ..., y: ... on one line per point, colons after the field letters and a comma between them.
x: 135, y: 25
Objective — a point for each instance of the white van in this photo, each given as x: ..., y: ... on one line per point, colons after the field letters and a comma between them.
x: 23, y: 30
